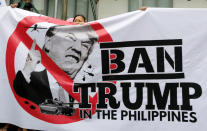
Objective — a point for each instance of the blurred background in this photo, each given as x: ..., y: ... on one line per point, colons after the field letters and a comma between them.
x: 98, y: 9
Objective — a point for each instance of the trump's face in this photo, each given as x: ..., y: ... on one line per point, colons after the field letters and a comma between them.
x: 69, y: 49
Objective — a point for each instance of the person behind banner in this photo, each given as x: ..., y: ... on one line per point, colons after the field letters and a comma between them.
x: 27, y: 5
x: 69, y: 47
x: 79, y: 19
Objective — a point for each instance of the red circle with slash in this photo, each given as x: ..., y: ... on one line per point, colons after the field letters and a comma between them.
x: 20, y: 35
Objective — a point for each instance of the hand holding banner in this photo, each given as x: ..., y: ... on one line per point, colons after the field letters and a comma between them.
x: 155, y: 60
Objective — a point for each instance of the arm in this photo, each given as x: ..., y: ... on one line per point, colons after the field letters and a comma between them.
x: 33, y: 58
x: 22, y: 82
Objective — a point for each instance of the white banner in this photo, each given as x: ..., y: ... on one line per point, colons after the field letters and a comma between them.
x: 143, y: 70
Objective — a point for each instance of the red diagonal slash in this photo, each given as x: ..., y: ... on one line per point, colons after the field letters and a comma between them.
x: 20, y: 35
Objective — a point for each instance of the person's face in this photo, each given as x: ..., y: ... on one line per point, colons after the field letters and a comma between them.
x: 69, y: 50
x: 79, y: 20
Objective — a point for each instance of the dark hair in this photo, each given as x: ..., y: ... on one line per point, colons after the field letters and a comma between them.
x: 81, y: 16
x: 28, y: 6
x: 50, y: 32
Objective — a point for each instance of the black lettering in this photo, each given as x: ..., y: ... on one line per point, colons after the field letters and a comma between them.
x: 120, y: 64
x: 87, y: 114
x: 123, y: 114
x: 84, y: 93
x: 105, y: 61
x: 176, y: 64
x: 162, y: 114
x: 187, y: 96
x: 194, y: 119
x: 132, y: 114
x: 143, y: 116
x: 113, y: 114
x: 154, y: 114
x: 126, y: 95
x: 146, y: 61
x: 153, y: 89
x: 177, y: 116
x: 103, y: 95
x: 184, y: 116
x: 98, y: 113
x: 106, y: 114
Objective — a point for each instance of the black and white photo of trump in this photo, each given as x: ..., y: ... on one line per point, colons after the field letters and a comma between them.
x: 69, y: 47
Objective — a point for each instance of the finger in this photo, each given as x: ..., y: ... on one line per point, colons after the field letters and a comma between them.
x: 33, y: 45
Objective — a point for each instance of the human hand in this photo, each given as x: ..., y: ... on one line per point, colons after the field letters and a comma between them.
x: 14, y: 5
x: 33, y: 58
x: 143, y: 8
